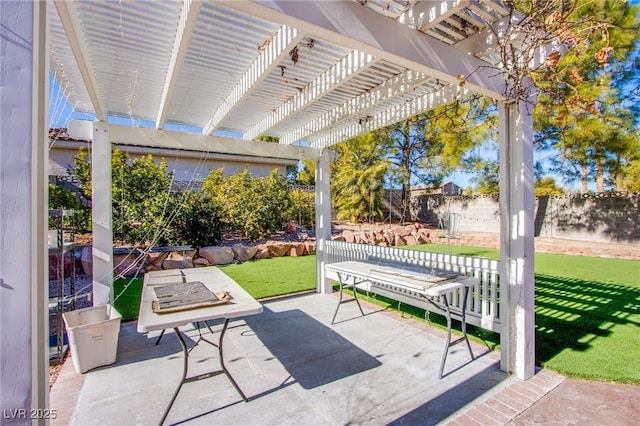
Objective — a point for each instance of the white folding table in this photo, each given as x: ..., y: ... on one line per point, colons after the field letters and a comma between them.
x: 431, y: 286
x: 241, y: 304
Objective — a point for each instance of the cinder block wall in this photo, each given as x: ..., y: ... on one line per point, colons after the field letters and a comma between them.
x: 603, y: 218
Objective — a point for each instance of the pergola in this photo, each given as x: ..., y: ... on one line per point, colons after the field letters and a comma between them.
x: 311, y: 73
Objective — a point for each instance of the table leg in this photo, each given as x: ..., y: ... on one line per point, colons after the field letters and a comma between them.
x: 233, y: 382
x: 160, y: 337
x: 340, y: 301
x: 184, y: 378
x: 185, y: 368
x: 199, y: 333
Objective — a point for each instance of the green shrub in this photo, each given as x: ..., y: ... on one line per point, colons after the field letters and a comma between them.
x: 256, y: 206
x: 193, y: 219
x: 302, y: 209
x: 139, y: 190
x: 61, y: 198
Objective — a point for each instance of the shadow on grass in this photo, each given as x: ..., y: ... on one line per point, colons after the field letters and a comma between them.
x: 572, y: 313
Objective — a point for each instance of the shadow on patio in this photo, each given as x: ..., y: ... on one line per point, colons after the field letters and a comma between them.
x: 295, y: 369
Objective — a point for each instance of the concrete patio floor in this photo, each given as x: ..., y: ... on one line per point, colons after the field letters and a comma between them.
x: 297, y: 368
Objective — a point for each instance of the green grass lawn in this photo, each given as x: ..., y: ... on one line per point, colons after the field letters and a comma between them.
x: 587, y: 309
x: 261, y: 279
x: 274, y: 277
x: 587, y: 313
x: 127, y: 293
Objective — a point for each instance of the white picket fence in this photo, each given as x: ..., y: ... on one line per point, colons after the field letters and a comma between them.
x: 483, y: 301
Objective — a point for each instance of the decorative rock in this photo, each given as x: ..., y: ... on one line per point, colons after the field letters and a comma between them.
x: 367, y: 237
x: 298, y: 249
x: 399, y: 241
x: 217, y: 255
x: 175, y: 260
x: 242, y: 253
x: 348, y: 236
x: 262, y: 253
x: 126, y: 264
x: 389, y: 237
x: 398, y: 229
x: 199, y: 262
x: 410, y: 229
x: 423, y: 235
x: 311, y: 247
x: 410, y: 240
x: 278, y: 249
x: 156, y: 259
x: 151, y: 268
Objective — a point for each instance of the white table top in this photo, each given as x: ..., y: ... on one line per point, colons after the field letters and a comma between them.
x: 241, y: 303
x: 420, y: 282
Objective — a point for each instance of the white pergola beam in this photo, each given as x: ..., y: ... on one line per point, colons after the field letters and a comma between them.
x: 180, y: 141
x: 479, y: 11
x: 356, y: 27
x: 390, y: 89
x: 70, y: 20
x: 497, y: 6
x: 427, y: 14
x: 484, y: 43
x: 392, y: 115
x: 285, y: 39
x: 340, y: 73
x: 184, y: 33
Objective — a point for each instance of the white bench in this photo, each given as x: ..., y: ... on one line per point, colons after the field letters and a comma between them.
x: 482, y: 306
x: 425, y: 288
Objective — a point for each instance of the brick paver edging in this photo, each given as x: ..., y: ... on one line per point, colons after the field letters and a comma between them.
x: 509, y: 402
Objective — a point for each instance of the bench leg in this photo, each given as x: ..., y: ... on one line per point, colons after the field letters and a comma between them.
x: 463, y: 326
x: 340, y: 301
x: 448, y: 344
x: 464, y: 320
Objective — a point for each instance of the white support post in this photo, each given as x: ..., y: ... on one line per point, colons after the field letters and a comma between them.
x: 102, y: 227
x: 517, y: 281
x: 24, y: 272
x: 323, y: 221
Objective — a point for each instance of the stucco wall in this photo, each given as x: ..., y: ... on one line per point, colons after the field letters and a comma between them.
x: 186, y: 165
x: 594, y: 217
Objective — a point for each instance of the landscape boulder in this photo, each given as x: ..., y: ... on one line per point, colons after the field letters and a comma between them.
x: 217, y: 255
x: 200, y: 262
x: 243, y: 253
x: 178, y: 260
x: 262, y: 252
